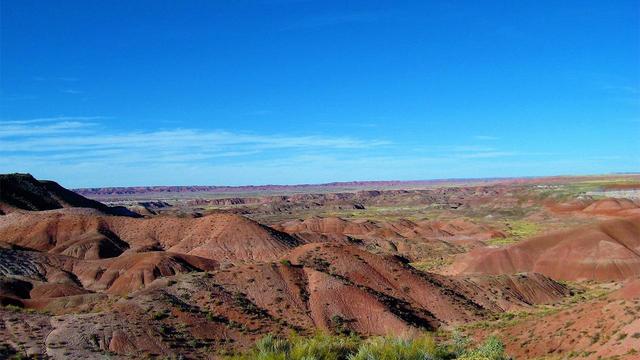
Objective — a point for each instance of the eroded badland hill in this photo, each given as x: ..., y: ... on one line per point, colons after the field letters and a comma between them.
x: 550, y: 266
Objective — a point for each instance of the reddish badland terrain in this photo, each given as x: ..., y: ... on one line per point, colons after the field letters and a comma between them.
x: 548, y: 269
x: 605, y: 251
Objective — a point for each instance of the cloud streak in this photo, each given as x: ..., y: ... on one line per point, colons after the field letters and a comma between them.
x: 486, y: 137
x: 53, y: 119
x: 83, y: 151
x: 66, y: 139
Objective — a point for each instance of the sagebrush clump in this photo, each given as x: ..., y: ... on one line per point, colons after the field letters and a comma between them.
x: 341, y: 347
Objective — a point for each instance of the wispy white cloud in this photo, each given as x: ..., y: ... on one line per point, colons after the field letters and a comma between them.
x: 19, y: 130
x: 485, y: 137
x: 487, y: 154
x: 83, y: 151
x: 349, y: 124
x: 54, y: 119
x: 64, y: 140
x: 72, y: 91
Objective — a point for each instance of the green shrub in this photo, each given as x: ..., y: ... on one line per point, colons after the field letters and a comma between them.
x: 317, y: 347
x: 322, y: 346
x: 397, y: 349
x: 328, y: 347
x: 285, y: 262
x: 491, y: 349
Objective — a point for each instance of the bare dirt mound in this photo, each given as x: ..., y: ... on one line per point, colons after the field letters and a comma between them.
x: 609, y: 250
x: 447, y: 300
x: 32, y: 275
x: 81, y: 233
x: 334, y: 227
x: 613, y: 206
x: 223, y: 237
x: 336, y: 288
x: 513, y: 291
x: 604, y: 327
x: 56, y: 290
x: 23, y: 191
x: 418, y: 297
x: 87, y: 234
x: 413, y: 240
x: 608, y: 207
x: 131, y: 272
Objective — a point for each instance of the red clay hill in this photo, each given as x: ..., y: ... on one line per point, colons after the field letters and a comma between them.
x: 608, y: 250
x: 88, y: 234
x: 336, y: 288
x: 412, y: 239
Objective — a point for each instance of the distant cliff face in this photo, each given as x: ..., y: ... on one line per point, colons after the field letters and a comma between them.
x: 24, y: 192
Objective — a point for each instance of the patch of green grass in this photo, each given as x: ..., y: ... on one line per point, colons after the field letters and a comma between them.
x: 285, y: 262
x: 328, y: 347
x: 517, y: 230
x: 502, y: 241
x: 580, y: 293
x: 432, y: 264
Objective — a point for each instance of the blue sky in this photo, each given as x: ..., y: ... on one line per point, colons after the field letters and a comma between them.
x: 117, y: 93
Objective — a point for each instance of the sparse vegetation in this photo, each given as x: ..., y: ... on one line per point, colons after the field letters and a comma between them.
x: 433, y: 264
x: 517, y: 230
x: 160, y: 315
x: 285, y: 262
x: 327, y: 347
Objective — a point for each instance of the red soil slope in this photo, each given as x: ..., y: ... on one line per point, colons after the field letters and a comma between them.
x: 606, y: 327
x: 609, y: 250
x: 81, y: 233
x: 87, y: 234
x: 44, y: 275
x: 613, y: 207
x: 131, y: 272
x: 447, y: 300
x: 609, y: 206
x: 413, y: 240
x: 223, y: 237
x: 331, y: 287
x: 333, y: 227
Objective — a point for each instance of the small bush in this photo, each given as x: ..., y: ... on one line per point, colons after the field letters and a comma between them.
x: 317, y: 347
x: 328, y: 347
x: 285, y: 262
x: 491, y: 349
x: 160, y: 315
x: 398, y: 349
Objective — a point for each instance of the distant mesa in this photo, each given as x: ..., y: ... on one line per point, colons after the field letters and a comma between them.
x: 24, y: 192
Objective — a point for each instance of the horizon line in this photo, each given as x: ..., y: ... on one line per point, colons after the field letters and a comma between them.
x: 363, y: 182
